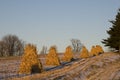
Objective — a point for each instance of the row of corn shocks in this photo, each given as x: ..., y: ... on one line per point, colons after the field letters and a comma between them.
x: 95, y: 50
x: 31, y: 64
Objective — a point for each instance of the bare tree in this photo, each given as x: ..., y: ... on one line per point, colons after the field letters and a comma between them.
x: 76, y: 45
x: 11, y: 45
x: 3, y: 49
x: 44, y: 50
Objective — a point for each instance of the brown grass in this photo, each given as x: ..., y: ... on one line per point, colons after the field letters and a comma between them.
x: 103, y: 67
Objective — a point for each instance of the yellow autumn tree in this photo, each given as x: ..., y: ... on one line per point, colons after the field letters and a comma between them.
x: 84, y: 53
x: 52, y: 57
x: 99, y: 49
x: 68, y: 55
x: 30, y: 62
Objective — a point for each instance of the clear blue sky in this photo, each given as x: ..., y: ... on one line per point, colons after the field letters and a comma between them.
x: 55, y: 22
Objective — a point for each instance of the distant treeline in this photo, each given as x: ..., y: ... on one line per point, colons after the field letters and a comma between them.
x: 11, y: 45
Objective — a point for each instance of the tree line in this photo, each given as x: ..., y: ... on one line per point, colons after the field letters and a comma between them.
x: 11, y: 45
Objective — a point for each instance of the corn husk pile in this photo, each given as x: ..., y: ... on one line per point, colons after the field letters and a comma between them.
x: 99, y: 49
x: 68, y: 55
x: 96, y: 50
x: 93, y: 51
x: 30, y: 62
x: 84, y: 53
x: 52, y: 57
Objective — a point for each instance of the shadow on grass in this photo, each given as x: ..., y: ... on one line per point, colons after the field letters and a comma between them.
x: 36, y: 70
x: 63, y: 64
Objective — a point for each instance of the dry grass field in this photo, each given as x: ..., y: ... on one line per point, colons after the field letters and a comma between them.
x: 105, y: 66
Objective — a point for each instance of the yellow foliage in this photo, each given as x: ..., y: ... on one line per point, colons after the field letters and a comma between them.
x: 52, y: 57
x: 30, y: 62
x: 84, y: 53
x: 68, y: 55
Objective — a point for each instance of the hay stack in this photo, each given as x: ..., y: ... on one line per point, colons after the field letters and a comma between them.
x: 93, y: 51
x: 30, y: 62
x: 99, y: 49
x: 84, y: 53
x: 96, y: 50
x: 68, y: 55
x: 52, y: 57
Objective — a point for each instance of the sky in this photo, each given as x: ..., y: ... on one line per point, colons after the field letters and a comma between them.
x: 56, y: 22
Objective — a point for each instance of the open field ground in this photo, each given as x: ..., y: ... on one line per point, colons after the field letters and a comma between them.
x: 105, y: 66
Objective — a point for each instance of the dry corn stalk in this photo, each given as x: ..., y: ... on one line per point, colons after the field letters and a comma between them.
x: 52, y: 57
x: 96, y: 50
x: 30, y: 62
x: 84, y: 53
x: 68, y: 55
x: 99, y: 49
x: 93, y: 51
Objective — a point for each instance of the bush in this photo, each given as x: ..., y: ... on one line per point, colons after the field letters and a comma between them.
x: 30, y: 62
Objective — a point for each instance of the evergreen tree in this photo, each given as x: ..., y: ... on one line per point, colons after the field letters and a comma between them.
x: 113, y: 41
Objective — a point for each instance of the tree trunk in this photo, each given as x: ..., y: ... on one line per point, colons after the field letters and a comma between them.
x: 119, y: 48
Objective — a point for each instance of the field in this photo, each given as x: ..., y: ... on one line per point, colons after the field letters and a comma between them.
x: 105, y: 66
